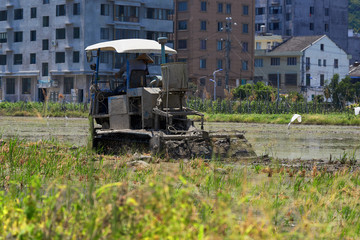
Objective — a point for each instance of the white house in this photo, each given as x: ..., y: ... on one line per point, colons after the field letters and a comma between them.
x: 304, y: 63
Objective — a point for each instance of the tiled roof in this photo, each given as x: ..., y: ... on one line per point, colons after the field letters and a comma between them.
x: 296, y: 43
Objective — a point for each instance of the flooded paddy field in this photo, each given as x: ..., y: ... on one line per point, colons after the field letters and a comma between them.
x: 299, y: 142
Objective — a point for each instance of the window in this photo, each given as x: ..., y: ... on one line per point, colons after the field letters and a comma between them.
x: 46, y: 1
x: 326, y: 27
x: 68, y: 85
x: 33, y: 12
x: 322, y: 79
x: 311, y: 26
x: 327, y: 12
x: 228, y: 8
x: 10, y: 86
x: 308, y: 79
x: 291, y: 79
x: 336, y: 63
x: 203, y: 25
x: 219, y: 63
x: 3, y: 37
x: 258, y: 26
x: 245, y: 65
x: 220, y: 27
x: 322, y: 47
x: 245, y: 47
x: 245, y: 10
x: 182, y: 44
x: 182, y: 25
x: 60, y: 10
x: 126, y: 33
x: 18, y: 14
x: 45, y: 69
x: 274, y: 26
x: 76, y: 32
x: 104, y: 57
x: 219, y: 45
x: 260, y: 11
x: 26, y: 85
x: 311, y: 11
x: 259, y: 62
x: 60, y: 33
x: 288, y: 16
x: 291, y: 61
x: 46, y: 21
x: 104, y: 10
x: 307, y: 63
x: 126, y: 13
x: 18, y: 36
x: 104, y: 33
x: 3, y: 15
x: 319, y: 62
x: 324, y: 62
x: 220, y: 7
x: 202, y: 81
x: 202, y: 63
x: 76, y: 9
x: 275, y: 10
x: 33, y: 35
x: 258, y: 45
x: 202, y: 44
x: 273, y: 78
x: 275, y: 61
x: 32, y: 58
x: 219, y: 82
x: 17, y: 59
x: 288, y: 2
x: 3, y: 59
x: 60, y: 57
x: 245, y: 28
x: 182, y: 6
x: 76, y: 56
x: 203, y: 6
x: 45, y: 44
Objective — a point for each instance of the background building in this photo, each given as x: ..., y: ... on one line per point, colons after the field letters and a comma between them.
x: 303, y: 64
x: 42, y: 42
x: 207, y: 33
x: 304, y: 18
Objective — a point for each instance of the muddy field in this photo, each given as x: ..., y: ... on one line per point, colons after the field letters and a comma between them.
x: 300, y: 142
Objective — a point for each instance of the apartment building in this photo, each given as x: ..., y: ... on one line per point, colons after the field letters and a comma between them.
x: 42, y: 42
x: 303, y: 64
x: 304, y: 18
x: 214, y: 35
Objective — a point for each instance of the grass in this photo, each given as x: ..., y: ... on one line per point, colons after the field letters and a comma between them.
x: 315, y: 119
x: 53, y: 191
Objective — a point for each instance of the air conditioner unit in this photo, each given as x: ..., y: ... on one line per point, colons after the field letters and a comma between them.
x: 54, y: 43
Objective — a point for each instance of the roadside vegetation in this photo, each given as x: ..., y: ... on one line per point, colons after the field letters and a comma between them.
x: 52, y: 191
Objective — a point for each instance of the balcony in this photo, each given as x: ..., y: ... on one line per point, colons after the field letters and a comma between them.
x: 47, y: 83
x: 127, y: 19
x: 275, y: 2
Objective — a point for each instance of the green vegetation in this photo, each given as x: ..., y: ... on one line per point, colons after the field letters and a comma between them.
x: 50, y: 191
x: 354, y: 15
x: 43, y: 109
x: 314, y: 119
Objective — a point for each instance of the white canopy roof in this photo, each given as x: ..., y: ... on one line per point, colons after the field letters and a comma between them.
x: 131, y: 46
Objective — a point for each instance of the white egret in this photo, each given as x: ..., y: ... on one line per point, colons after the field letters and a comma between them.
x: 294, y: 117
x: 357, y: 110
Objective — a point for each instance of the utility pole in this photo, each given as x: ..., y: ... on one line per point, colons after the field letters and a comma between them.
x: 227, y: 55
